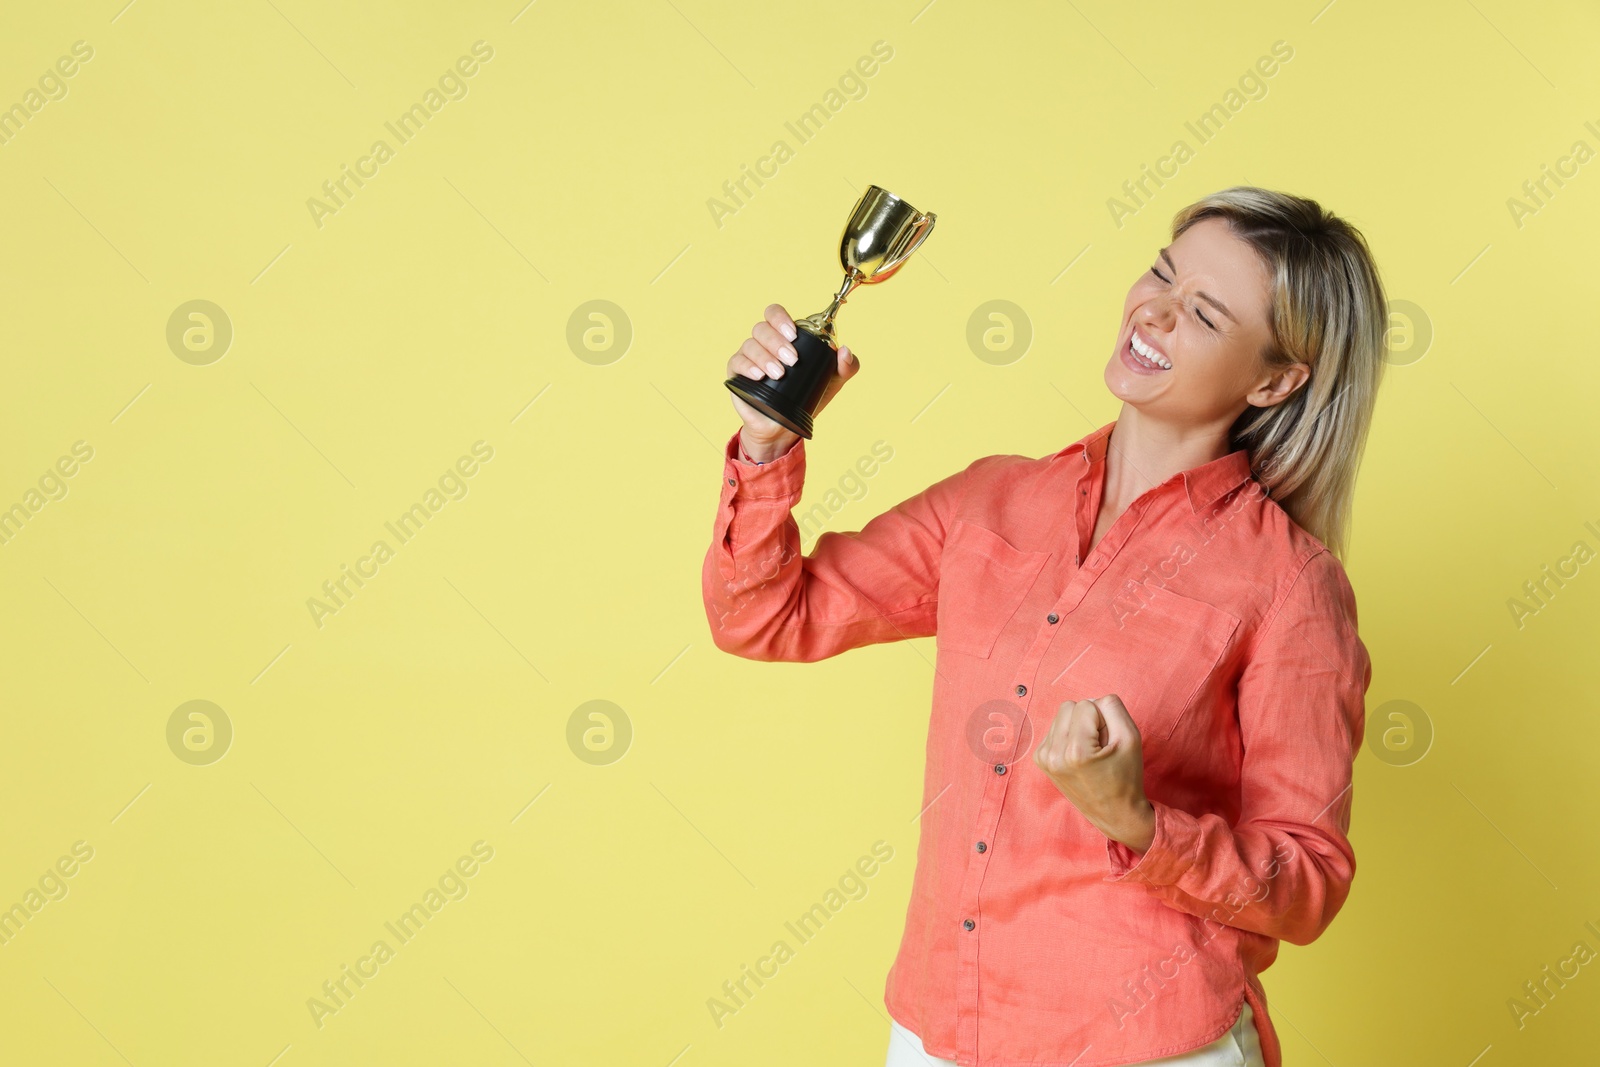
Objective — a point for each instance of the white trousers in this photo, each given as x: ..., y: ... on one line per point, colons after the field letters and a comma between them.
x: 1239, y: 1047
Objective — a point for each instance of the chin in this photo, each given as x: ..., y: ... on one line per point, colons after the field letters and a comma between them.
x: 1117, y: 384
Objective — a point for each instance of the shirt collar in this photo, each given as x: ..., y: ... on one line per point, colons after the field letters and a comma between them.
x: 1203, y: 484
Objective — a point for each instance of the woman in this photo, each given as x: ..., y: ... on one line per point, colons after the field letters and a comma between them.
x: 1149, y: 683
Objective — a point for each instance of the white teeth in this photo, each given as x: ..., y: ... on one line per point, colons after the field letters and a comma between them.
x: 1151, y: 354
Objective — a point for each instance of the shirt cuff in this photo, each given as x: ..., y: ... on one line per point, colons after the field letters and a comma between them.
x: 778, y: 479
x: 771, y: 486
x: 1171, y: 853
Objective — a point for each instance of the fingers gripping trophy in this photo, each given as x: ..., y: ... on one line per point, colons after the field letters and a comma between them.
x: 879, y: 237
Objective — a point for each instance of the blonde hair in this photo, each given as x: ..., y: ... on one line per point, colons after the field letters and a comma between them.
x: 1328, y: 311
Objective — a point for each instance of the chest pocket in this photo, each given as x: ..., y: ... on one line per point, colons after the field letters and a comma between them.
x: 1155, y: 660
x: 983, y: 581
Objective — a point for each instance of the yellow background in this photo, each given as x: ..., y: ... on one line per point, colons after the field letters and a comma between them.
x: 368, y: 354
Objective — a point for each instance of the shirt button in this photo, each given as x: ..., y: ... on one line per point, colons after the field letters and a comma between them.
x: 732, y: 482
x: 968, y: 923
x: 999, y: 768
x: 1022, y: 690
x: 982, y: 847
x: 1053, y: 618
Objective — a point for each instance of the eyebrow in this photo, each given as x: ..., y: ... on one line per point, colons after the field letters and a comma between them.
x: 1207, y: 297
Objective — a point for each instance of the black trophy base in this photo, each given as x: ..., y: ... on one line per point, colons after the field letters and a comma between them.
x: 792, y: 400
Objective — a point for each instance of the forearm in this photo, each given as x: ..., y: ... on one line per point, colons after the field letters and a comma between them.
x: 1286, y: 882
x: 753, y: 564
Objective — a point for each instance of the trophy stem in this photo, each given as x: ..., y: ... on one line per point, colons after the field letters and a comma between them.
x: 821, y: 323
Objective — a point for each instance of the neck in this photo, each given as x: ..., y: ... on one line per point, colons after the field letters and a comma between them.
x: 1143, y: 452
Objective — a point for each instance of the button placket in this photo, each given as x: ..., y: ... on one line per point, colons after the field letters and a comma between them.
x: 1084, y: 579
x: 967, y: 947
x: 990, y: 809
x: 992, y: 806
x: 990, y: 812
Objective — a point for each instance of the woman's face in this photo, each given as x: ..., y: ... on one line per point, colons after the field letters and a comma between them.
x: 1203, y: 308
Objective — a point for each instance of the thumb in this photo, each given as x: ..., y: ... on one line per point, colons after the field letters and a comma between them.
x: 847, y: 368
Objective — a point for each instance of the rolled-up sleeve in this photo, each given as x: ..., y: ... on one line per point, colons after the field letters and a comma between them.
x: 1285, y: 869
x: 767, y: 601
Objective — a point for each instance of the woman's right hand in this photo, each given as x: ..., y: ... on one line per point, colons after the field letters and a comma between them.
x: 765, y: 354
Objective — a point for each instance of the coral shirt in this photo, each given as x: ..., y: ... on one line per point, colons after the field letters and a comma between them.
x: 1228, y: 631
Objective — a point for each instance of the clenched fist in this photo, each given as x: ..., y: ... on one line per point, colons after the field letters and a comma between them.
x: 1093, y: 754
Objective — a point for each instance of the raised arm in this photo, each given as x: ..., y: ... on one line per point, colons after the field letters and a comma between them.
x: 1285, y: 869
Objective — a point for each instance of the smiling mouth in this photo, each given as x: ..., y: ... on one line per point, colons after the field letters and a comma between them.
x: 1155, y: 361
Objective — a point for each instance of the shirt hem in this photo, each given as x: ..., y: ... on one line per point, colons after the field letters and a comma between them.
x: 900, y: 1015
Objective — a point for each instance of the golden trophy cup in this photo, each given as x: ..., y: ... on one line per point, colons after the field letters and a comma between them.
x: 880, y: 235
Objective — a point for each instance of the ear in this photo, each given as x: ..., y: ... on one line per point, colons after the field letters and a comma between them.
x: 1276, y: 389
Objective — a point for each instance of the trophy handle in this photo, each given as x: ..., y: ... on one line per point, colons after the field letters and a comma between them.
x: 913, y: 241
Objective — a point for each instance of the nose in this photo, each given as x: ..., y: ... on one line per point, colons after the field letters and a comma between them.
x: 1157, y: 315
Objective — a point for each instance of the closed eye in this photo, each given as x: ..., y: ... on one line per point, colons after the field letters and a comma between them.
x: 1198, y: 313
